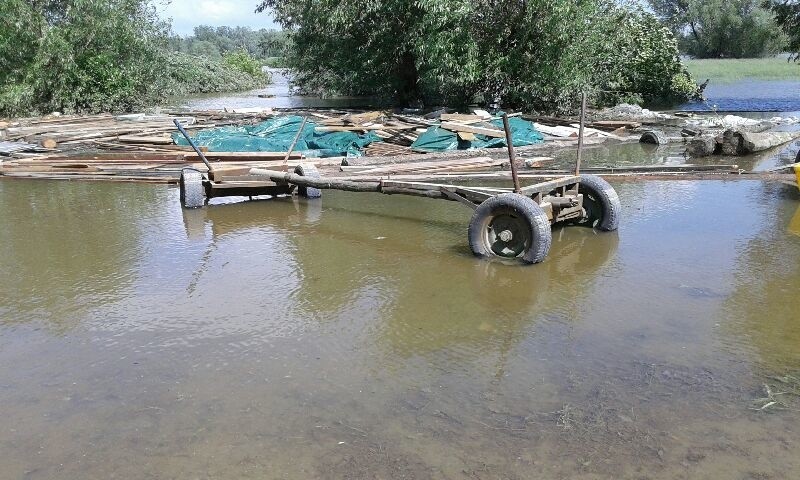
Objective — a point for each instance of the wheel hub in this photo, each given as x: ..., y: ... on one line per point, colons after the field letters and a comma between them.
x: 507, y: 235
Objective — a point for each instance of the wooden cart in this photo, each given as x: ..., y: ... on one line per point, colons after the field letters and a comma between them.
x: 506, y: 223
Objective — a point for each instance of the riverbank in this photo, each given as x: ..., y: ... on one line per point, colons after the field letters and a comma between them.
x: 734, y: 70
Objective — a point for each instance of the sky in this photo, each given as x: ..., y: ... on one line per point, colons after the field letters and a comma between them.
x: 187, y: 14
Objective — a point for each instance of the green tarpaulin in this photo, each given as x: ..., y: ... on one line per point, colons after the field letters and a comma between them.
x: 437, y: 139
x: 276, y: 135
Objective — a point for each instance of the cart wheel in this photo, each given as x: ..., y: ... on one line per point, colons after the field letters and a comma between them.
x: 601, y: 204
x: 510, y: 226
x: 308, y: 170
x: 193, y: 194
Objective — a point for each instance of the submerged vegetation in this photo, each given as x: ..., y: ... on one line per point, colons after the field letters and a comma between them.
x: 537, y: 54
x: 101, y: 55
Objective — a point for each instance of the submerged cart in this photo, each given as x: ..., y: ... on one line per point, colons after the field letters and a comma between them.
x: 512, y: 224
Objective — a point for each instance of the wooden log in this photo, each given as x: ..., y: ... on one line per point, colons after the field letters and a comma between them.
x: 612, y: 125
x: 328, y: 183
x: 48, y: 142
x: 752, y: 142
x: 702, y: 146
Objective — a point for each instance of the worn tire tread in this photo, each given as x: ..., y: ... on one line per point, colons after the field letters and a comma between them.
x: 192, y: 191
x: 608, y: 198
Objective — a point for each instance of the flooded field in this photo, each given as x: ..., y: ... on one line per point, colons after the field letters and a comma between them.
x: 751, y: 96
x: 357, y: 337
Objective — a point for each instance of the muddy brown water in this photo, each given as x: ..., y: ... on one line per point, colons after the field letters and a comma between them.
x: 357, y: 337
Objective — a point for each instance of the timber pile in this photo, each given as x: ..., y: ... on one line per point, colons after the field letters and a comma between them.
x: 158, y: 167
x: 129, y: 133
x: 140, y: 147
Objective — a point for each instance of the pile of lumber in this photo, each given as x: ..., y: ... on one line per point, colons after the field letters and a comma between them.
x: 395, y: 130
x: 159, y: 167
x: 137, y: 132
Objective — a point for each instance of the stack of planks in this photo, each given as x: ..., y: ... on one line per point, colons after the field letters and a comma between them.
x: 137, y: 132
x: 391, y: 129
x: 158, y: 167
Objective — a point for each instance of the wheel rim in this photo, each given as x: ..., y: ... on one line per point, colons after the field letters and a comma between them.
x: 507, y: 235
x: 593, y: 210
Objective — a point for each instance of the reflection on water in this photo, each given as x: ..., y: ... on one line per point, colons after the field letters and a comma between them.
x: 356, y: 337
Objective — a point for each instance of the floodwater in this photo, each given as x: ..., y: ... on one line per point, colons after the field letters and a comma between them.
x: 750, y: 96
x: 279, y: 94
x: 357, y: 337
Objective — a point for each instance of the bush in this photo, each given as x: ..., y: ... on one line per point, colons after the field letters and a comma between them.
x: 243, y: 62
x: 186, y: 74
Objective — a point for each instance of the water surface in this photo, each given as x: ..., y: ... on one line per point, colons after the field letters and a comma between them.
x: 357, y: 337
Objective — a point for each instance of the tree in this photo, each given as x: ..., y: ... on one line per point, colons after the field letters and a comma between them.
x: 537, y: 54
x: 722, y: 28
x: 99, y: 55
x: 788, y: 14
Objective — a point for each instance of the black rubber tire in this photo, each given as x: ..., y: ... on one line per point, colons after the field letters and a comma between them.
x: 193, y: 193
x: 308, y: 170
x: 601, y: 204
x: 536, y: 222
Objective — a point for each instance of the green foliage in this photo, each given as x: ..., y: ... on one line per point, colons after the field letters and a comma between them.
x: 652, y: 69
x: 244, y: 62
x: 98, y: 55
x: 722, y: 28
x: 186, y: 74
x: 217, y: 42
x: 788, y: 15
x: 538, y: 53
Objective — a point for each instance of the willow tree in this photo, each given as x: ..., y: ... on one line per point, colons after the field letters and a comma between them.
x: 537, y: 53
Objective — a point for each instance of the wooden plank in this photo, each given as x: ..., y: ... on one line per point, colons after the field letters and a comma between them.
x: 545, y: 187
x: 154, y: 140
x: 466, y: 136
x: 461, y: 118
x: 489, y: 132
x: 242, y: 156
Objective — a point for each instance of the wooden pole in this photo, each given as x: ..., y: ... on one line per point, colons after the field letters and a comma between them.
x: 580, y: 135
x: 512, y: 157
x: 294, y: 143
x: 195, y: 147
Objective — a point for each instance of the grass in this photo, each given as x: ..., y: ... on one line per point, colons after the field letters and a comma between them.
x: 732, y: 70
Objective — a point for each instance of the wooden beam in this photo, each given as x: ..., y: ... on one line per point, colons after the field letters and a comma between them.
x: 489, y: 132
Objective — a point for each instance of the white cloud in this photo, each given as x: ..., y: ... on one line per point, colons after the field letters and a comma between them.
x: 187, y: 14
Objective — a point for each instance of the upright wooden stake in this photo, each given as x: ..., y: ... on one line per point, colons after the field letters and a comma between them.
x: 512, y: 156
x: 580, y: 134
x: 294, y: 143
